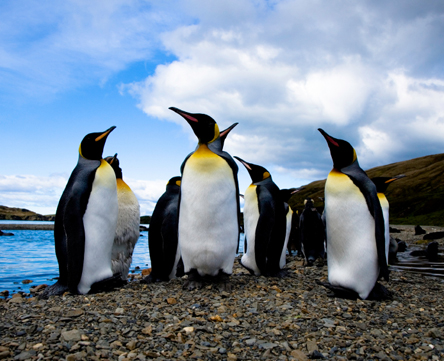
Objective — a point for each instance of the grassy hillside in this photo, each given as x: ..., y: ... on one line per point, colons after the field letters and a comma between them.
x: 416, y: 199
x: 17, y: 214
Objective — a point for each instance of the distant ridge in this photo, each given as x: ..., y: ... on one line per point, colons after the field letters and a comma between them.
x: 416, y: 199
x: 21, y: 214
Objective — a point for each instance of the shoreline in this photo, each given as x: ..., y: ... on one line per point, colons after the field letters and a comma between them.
x: 41, y: 227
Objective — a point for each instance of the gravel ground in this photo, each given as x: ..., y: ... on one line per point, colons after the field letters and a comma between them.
x: 261, y: 318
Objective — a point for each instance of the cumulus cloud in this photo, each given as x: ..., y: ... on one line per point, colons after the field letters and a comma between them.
x: 42, y: 194
x: 289, y: 68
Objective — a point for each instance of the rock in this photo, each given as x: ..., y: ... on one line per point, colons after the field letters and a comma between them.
x: 419, y: 231
x: 16, y: 300
x: 25, y: 282
x: 131, y: 345
x: 4, y: 354
x: 311, y: 346
x: 298, y: 355
x: 171, y: 301
x: 71, y: 336
x: 74, y: 313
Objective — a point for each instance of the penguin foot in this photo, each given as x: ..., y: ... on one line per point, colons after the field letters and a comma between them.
x: 108, y: 284
x: 56, y: 289
x: 192, y: 285
x: 339, y: 292
x: 379, y: 293
x: 194, y: 280
x: 152, y: 279
x: 279, y: 274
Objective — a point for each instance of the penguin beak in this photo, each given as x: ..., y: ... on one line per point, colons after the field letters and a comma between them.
x: 395, y: 178
x: 329, y: 139
x: 113, y: 159
x: 247, y: 165
x: 105, y: 133
x: 225, y: 132
x: 188, y: 117
x: 297, y: 190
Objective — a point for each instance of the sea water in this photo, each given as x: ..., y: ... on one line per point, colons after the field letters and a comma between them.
x: 30, y: 255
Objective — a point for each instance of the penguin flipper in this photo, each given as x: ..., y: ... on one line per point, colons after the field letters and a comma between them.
x: 170, y: 243
x: 54, y: 290
x: 368, y: 189
x: 264, y: 229
x: 77, y: 201
x: 108, y: 284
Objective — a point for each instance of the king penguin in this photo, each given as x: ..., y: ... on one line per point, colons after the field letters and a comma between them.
x: 265, y: 224
x: 162, y: 235
x: 355, y: 226
x: 381, y: 184
x: 312, y: 233
x: 292, y: 223
x: 128, y: 223
x: 85, y: 223
x: 209, y: 210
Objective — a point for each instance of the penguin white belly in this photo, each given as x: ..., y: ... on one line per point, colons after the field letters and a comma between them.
x: 99, y: 222
x: 208, y: 223
x: 385, y: 212
x: 127, y: 232
x: 352, y: 254
x: 251, y: 217
x: 287, y: 236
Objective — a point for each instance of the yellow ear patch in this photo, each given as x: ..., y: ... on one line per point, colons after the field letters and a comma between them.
x: 178, y: 183
x: 266, y: 175
x: 354, y: 155
x: 80, y: 150
x: 216, y: 132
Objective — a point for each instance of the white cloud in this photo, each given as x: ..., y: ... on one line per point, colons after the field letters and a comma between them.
x: 42, y: 194
x: 38, y: 194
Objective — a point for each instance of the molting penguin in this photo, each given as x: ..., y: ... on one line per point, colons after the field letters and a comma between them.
x: 312, y: 233
x: 265, y: 224
x: 162, y: 235
x: 381, y: 184
x: 208, y: 207
x: 85, y: 223
x: 128, y: 223
x: 355, y: 225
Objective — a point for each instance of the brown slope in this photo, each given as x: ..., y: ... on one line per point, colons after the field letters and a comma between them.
x: 416, y: 199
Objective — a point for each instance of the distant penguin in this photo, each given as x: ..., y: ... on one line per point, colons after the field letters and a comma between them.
x: 209, y: 206
x: 265, y: 224
x: 381, y: 184
x: 355, y: 226
x: 85, y: 223
x: 312, y: 233
x: 162, y: 235
x: 292, y: 238
x: 128, y: 223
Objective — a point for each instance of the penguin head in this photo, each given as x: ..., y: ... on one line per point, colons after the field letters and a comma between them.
x: 174, y: 182
x: 382, y: 183
x: 308, y: 203
x: 92, y: 145
x: 286, y: 194
x: 257, y: 173
x: 224, y: 133
x: 342, y: 153
x: 205, y: 127
x: 114, y: 163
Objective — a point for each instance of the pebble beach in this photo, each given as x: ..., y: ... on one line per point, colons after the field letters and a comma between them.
x: 293, y: 318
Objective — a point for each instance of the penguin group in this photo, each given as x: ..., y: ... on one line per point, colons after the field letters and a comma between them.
x: 195, y: 226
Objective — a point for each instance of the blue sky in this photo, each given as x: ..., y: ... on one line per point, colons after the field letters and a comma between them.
x: 369, y: 72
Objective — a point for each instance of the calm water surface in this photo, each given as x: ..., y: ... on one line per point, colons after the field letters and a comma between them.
x: 30, y: 255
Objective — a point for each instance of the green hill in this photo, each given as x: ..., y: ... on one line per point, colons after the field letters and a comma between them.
x: 416, y: 199
x: 21, y: 214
